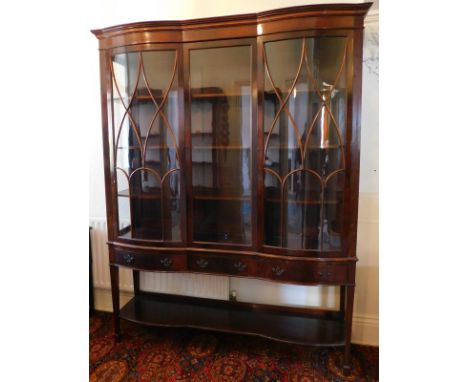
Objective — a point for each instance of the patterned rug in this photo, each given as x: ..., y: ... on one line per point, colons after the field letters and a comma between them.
x: 170, y: 354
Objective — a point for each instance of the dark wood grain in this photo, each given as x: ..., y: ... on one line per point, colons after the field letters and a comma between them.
x: 323, y: 16
x: 259, y: 258
x: 165, y: 262
x: 114, y: 273
x: 348, y: 327
x: 136, y: 281
x: 234, y: 318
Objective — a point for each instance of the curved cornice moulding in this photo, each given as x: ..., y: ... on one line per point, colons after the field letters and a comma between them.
x: 298, y: 18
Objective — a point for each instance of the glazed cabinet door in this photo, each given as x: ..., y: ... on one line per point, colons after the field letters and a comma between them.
x: 146, y: 127
x: 304, y: 131
x: 221, y: 143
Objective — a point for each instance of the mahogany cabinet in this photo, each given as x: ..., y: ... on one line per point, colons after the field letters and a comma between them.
x: 231, y: 147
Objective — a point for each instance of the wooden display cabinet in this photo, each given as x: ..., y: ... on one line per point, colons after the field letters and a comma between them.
x: 231, y: 147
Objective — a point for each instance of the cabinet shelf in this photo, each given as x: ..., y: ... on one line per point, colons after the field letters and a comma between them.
x: 202, y: 163
x: 147, y: 97
x: 208, y: 96
x: 151, y: 147
x: 235, y: 318
x: 156, y: 194
x: 314, y: 147
x: 219, y: 147
x: 201, y: 133
x: 223, y: 197
x: 268, y: 94
x: 293, y: 201
x: 197, y: 147
x: 152, y: 195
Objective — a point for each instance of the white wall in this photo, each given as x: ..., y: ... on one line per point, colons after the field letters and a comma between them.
x: 366, y: 301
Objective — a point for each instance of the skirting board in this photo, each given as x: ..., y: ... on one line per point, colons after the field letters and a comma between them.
x: 365, y: 329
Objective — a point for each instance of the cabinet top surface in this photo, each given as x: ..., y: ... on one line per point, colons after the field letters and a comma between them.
x: 243, y: 25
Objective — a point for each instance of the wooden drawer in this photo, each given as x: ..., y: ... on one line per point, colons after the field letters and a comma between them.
x: 222, y: 264
x: 288, y: 271
x: 148, y: 261
x: 306, y: 272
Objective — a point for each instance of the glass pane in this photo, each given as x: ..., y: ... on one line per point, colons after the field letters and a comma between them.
x: 146, y: 130
x: 304, y: 129
x: 333, y: 212
x: 302, y: 220
x: 123, y: 202
x: 145, y: 199
x: 273, y: 213
x: 171, y: 207
x: 220, y: 93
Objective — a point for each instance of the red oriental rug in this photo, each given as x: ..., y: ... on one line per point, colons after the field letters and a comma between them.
x: 169, y: 354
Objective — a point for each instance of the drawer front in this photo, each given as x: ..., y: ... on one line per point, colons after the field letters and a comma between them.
x: 306, y: 272
x: 149, y: 261
x: 232, y: 265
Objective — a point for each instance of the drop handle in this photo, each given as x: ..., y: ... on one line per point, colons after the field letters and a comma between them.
x: 278, y: 271
x: 166, y: 262
x: 128, y: 257
x: 202, y: 263
x: 240, y: 266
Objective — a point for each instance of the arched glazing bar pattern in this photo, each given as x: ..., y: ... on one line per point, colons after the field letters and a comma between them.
x: 304, y: 125
x: 146, y: 147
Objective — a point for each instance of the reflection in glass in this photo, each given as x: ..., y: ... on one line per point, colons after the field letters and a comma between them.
x: 304, y: 125
x: 333, y: 212
x: 123, y: 202
x: 146, y: 130
x: 220, y: 95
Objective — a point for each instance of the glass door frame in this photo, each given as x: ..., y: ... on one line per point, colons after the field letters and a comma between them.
x: 177, y: 47
x: 348, y: 140
x: 252, y: 43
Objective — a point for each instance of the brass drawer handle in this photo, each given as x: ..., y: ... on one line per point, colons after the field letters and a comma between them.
x: 325, y: 275
x: 166, y: 262
x: 202, y: 263
x: 128, y: 257
x: 278, y: 271
x: 240, y: 266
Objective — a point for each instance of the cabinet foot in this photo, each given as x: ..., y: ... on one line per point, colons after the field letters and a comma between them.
x: 346, y: 369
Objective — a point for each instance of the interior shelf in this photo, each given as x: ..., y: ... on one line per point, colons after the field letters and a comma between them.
x: 154, y: 194
x: 154, y: 147
x: 219, y: 147
x: 147, y: 97
x: 310, y: 147
x: 271, y: 93
x: 203, y: 163
x: 201, y: 133
x: 125, y: 194
x: 223, y: 197
x: 224, y: 316
x: 217, y: 95
x: 157, y: 195
x: 293, y: 201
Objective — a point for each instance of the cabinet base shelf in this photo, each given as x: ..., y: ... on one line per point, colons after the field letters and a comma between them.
x: 232, y: 317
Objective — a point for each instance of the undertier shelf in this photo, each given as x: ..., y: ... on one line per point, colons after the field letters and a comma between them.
x: 224, y: 316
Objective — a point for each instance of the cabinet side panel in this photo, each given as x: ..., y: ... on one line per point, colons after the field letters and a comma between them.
x: 353, y: 142
x: 107, y: 139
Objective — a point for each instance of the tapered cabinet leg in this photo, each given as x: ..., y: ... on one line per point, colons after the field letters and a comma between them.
x: 342, y: 300
x: 114, y: 271
x: 348, y: 326
x: 136, y: 282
